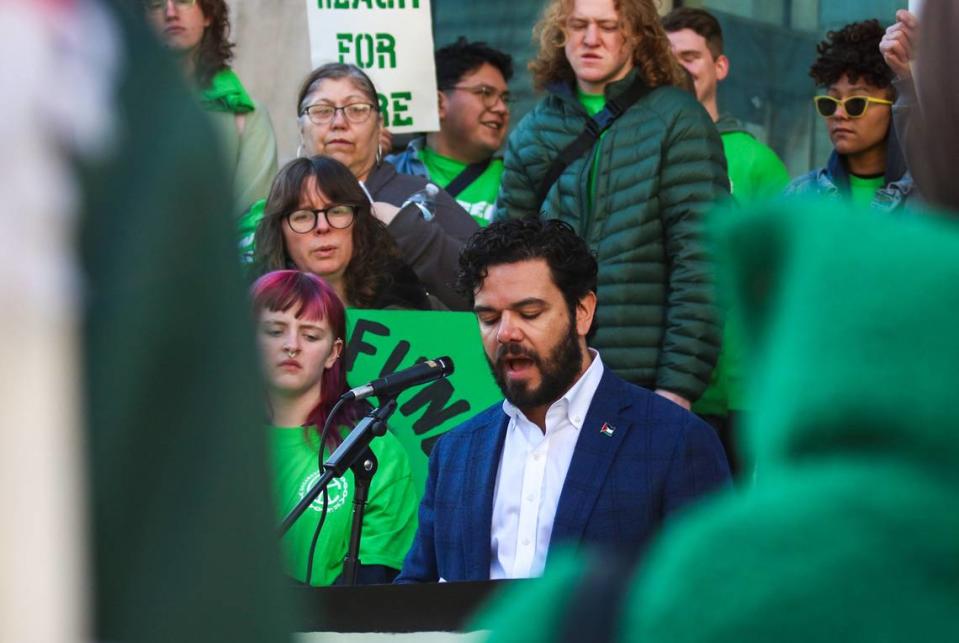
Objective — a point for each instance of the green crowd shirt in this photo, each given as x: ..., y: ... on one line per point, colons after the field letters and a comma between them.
x: 594, y: 104
x: 863, y: 188
x: 479, y: 197
x: 389, y: 523
x: 755, y: 173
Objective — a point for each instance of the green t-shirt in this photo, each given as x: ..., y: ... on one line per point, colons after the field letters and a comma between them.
x: 755, y: 172
x: 594, y: 104
x: 479, y: 197
x: 389, y: 523
x: 863, y: 188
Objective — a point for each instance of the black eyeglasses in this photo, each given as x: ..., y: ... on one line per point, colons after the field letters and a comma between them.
x: 854, y: 106
x: 355, y: 113
x: 489, y: 95
x: 339, y: 216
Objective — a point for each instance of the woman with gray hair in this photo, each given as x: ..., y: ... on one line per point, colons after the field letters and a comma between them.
x: 339, y: 116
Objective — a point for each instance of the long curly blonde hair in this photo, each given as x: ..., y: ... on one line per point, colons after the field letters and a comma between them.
x: 643, y: 32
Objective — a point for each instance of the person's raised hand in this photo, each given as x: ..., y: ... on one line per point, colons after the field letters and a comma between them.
x: 900, y: 42
x: 385, y: 212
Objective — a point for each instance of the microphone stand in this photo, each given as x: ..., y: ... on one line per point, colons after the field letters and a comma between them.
x: 353, y: 454
x: 363, y: 470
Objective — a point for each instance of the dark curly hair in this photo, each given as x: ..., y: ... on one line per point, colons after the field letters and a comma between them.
x: 852, y: 51
x: 571, y: 263
x: 375, y: 256
x: 215, y: 50
x: 460, y: 58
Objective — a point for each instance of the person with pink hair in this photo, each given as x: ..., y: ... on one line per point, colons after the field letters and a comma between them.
x: 300, y: 331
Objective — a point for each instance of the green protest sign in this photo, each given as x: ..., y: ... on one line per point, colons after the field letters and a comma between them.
x: 384, y: 341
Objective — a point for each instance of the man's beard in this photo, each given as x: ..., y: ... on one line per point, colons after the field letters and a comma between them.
x: 557, y: 373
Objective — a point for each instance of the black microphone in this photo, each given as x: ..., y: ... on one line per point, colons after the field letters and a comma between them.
x: 392, y: 384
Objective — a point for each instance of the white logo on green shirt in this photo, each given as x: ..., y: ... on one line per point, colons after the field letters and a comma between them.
x: 338, y: 491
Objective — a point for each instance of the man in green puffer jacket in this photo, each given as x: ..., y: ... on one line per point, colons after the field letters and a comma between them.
x: 637, y: 196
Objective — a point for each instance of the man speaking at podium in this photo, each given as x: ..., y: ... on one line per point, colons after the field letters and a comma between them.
x: 574, y: 455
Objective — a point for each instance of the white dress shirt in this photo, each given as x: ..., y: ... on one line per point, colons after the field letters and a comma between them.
x: 530, y: 478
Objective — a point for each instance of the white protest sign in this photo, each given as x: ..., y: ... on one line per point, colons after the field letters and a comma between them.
x: 392, y: 41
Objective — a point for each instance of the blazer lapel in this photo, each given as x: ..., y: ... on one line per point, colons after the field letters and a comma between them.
x: 485, y: 450
x: 592, y: 458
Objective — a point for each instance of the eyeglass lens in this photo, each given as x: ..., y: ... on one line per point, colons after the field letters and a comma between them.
x: 490, y: 96
x: 337, y: 216
x: 355, y: 113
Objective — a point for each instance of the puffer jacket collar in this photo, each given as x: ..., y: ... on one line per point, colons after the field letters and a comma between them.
x: 566, y: 90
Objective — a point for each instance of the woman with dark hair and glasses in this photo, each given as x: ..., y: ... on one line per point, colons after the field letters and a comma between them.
x: 339, y: 116
x: 867, y: 164
x: 301, y: 330
x: 198, y: 31
x: 318, y: 219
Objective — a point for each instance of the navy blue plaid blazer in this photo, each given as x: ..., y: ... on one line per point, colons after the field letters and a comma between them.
x: 617, y: 491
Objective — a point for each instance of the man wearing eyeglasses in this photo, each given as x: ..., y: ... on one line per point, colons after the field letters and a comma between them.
x: 474, y: 102
x: 866, y: 165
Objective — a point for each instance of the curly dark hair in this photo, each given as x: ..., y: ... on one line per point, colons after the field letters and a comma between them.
x: 375, y: 255
x: 852, y: 51
x: 460, y: 58
x: 571, y: 263
x: 215, y: 50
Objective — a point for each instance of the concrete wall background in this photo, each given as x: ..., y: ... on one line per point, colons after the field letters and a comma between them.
x: 272, y: 57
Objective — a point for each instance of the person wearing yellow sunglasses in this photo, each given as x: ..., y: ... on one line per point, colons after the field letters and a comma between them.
x: 866, y: 164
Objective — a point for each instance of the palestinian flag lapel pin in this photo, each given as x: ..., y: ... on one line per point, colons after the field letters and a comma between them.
x: 607, y: 429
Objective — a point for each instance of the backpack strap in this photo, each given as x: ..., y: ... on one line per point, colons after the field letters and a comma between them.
x: 594, y: 129
x: 469, y: 174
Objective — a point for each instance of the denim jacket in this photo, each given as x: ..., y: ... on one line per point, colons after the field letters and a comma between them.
x: 833, y: 181
x: 408, y: 161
